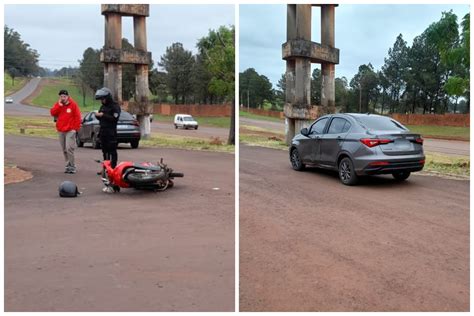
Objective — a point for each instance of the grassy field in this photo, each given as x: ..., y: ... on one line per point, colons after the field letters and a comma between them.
x: 45, y: 127
x: 452, y: 132
x: 9, y: 87
x: 223, y: 122
x: 49, y: 95
x: 259, y: 117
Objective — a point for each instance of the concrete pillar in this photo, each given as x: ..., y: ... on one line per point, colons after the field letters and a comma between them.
x: 113, y: 39
x: 328, y: 92
x: 141, y: 75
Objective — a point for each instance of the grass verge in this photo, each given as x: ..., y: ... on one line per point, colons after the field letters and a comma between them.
x: 12, y: 87
x: 259, y: 117
x: 222, y: 122
x: 45, y: 127
x: 443, y: 132
x: 48, y: 94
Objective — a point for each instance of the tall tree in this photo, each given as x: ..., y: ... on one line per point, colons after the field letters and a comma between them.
x: 218, y: 48
x: 20, y: 59
x: 178, y: 64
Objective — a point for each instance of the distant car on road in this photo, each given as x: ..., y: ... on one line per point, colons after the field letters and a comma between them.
x: 128, y: 130
x: 8, y: 100
x: 358, y: 144
x: 185, y: 121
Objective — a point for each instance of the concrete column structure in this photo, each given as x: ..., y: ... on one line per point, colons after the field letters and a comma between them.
x: 328, y: 90
x: 299, y: 52
x: 113, y: 40
x: 114, y: 57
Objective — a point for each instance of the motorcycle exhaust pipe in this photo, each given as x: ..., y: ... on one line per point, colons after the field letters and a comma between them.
x: 176, y: 175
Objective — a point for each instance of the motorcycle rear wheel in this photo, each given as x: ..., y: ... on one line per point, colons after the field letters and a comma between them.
x: 144, y: 178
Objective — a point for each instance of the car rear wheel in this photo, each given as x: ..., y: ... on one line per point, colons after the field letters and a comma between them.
x: 175, y: 126
x: 78, y: 141
x: 295, y: 160
x: 347, y: 172
x: 401, y: 176
x: 196, y: 127
x: 95, y: 142
x: 134, y: 144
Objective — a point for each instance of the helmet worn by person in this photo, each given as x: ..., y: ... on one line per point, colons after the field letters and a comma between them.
x: 103, y: 93
x: 68, y: 189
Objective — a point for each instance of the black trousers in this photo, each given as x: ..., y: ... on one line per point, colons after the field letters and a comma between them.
x: 109, y: 147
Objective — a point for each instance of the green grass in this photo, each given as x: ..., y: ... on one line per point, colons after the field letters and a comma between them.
x: 223, y: 122
x: 49, y: 95
x: 45, y: 127
x: 9, y: 87
x: 190, y: 143
x: 262, y: 141
x: 447, y: 165
x: 32, y: 126
x: 461, y: 133
x: 259, y: 117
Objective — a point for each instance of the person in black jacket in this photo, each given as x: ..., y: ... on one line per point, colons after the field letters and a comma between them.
x: 108, y: 116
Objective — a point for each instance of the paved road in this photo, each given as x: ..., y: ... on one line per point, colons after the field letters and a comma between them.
x: 17, y: 108
x: 202, y: 132
x: 132, y: 251
x: 309, y: 243
x: 449, y: 147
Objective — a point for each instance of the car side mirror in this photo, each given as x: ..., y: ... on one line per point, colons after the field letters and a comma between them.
x: 304, y: 131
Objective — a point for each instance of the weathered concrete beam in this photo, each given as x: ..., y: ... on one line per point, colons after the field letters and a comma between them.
x: 125, y: 56
x: 317, y: 53
x: 126, y: 9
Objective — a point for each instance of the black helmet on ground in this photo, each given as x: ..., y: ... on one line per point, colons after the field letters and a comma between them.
x: 68, y: 189
x: 103, y: 93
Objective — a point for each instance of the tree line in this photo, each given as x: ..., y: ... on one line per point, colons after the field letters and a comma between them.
x: 20, y: 60
x: 430, y: 76
x: 181, y: 76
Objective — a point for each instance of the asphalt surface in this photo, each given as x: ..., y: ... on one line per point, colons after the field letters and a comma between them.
x: 18, y: 109
x: 440, y: 146
x: 309, y: 243
x: 131, y: 251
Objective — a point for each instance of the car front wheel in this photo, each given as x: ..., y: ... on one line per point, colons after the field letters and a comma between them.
x: 401, y: 175
x: 295, y: 160
x: 347, y: 172
x: 134, y: 144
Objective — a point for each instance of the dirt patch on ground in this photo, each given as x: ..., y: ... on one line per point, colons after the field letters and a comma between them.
x: 15, y: 175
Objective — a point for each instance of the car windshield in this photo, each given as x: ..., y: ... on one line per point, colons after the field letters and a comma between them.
x: 380, y: 123
x: 125, y: 116
x: 188, y: 118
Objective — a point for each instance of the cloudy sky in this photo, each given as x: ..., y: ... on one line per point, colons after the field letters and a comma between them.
x: 61, y: 33
x: 364, y: 33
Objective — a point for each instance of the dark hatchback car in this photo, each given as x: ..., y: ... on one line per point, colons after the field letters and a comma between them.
x: 128, y: 130
x: 357, y: 145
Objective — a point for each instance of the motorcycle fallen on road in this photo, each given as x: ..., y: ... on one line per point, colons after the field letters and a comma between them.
x: 143, y: 176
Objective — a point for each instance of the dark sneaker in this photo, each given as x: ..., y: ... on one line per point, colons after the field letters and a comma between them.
x: 72, y: 170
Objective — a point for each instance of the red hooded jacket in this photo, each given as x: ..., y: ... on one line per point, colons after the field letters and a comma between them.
x: 68, y: 116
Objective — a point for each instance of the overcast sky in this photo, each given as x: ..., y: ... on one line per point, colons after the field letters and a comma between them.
x: 61, y: 33
x: 364, y: 33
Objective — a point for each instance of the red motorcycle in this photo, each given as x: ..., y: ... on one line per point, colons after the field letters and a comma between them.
x: 144, y: 176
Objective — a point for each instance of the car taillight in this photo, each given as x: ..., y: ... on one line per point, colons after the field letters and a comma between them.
x: 422, y: 161
x: 371, y: 142
x: 136, y: 123
x: 379, y: 163
x: 419, y: 140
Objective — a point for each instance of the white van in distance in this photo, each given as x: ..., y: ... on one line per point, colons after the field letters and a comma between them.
x: 185, y: 121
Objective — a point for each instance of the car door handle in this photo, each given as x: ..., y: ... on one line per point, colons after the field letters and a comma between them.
x: 339, y: 138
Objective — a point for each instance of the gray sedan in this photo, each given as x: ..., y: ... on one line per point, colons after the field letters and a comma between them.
x: 357, y: 145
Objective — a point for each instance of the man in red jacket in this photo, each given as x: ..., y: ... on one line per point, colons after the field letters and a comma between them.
x: 68, y: 123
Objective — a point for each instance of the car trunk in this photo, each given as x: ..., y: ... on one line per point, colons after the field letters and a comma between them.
x: 401, y: 143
